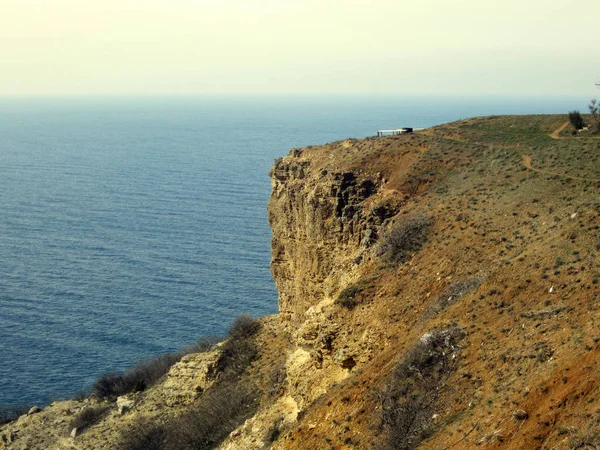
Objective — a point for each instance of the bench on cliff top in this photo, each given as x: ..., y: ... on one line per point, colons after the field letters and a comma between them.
x: 405, y: 130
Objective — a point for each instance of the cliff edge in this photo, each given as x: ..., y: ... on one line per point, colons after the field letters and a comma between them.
x: 436, y: 290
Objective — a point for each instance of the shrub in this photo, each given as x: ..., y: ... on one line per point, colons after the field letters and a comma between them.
x: 143, y: 375
x: 220, y: 411
x: 12, y: 413
x: 277, y: 376
x: 275, y: 430
x: 576, y: 120
x: 594, y: 108
x: 452, y: 293
x: 204, y: 426
x: 244, y: 327
x: 403, y: 239
x: 348, y: 297
x: 89, y: 416
x: 239, y: 350
x: 585, y: 438
x: 409, y: 397
x: 144, y: 435
x: 202, y: 345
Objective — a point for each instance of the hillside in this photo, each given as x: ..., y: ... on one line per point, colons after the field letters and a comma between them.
x: 436, y: 290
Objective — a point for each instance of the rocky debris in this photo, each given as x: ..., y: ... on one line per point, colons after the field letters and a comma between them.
x: 259, y: 431
x: 124, y: 404
x: 41, y: 429
x: 191, y: 376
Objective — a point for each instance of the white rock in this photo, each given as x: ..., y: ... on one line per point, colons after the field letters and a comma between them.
x: 34, y: 410
x: 124, y: 404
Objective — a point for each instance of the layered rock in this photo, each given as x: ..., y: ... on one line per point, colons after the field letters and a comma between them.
x: 323, y: 222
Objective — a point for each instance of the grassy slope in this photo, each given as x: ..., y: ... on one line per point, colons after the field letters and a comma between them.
x: 533, y: 239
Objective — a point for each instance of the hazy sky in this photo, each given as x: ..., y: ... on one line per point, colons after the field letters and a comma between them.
x: 299, y: 46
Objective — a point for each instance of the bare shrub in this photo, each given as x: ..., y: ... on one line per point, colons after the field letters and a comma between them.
x: 403, y: 239
x: 239, y: 350
x: 349, y: 297
x: 275, y: 430
x: 12, y: 413
x: 220, y: 411
x: 587, y: 438
x: 144, y: 435
x: 89, y: 416
x: 576, y: 120
x: 409, y: 398
x: 202, y: 345
x: 277, y: 377
x: 203, y: 426
x: 453, y: 292
x: 143, y: 375
x: 594, y: 108
x: 243, y: 327
x: 147, y: 372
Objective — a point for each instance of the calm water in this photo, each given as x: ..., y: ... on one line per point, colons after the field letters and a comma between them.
x: 130, y: 227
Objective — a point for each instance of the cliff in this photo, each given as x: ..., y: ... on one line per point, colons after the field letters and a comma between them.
x: 436, y: 290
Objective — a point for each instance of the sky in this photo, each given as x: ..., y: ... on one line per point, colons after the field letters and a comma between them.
x: 158, y: 47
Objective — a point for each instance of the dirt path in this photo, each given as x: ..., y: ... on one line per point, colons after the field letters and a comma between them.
x: 556, y: 133
x: 526, y: 162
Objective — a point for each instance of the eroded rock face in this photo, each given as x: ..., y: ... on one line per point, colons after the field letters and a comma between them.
x: 188, y: 378
x: 259, y: 431
x: 325, y: 222
x: 322, y: 222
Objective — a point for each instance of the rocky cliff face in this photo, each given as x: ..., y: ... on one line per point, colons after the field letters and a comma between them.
x: 323, y: 222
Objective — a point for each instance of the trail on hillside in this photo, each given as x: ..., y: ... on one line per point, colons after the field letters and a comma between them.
x: 526, y: 162
x: 556, y: 133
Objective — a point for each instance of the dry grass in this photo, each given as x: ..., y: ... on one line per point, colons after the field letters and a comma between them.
x: 403, y: 239
x: 409, y: 398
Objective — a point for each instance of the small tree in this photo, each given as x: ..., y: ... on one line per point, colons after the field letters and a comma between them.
x: 594, y: 108
x: 576, y: 120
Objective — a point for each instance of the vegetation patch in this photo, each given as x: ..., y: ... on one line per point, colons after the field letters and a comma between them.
x: 219, y: 411
x: 144, y: 434
x: 145, y: 373
x: 140, y: 377
x: 454, y: 292
x: 89, y: 416
x: 588, y: 438
x: 350, y: 297
x: 239, y: 350
x: 403, y: 239
x: 202, y: 427
x: 576, y: 120
x: 12, y: 413
x: 217, y: 414
x: 410, y: 396
x: 594, y: 108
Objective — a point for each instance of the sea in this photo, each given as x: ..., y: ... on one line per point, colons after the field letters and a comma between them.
x: 132, y: 226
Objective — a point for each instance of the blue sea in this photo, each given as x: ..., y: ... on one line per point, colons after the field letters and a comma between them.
x: 132, y: 226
